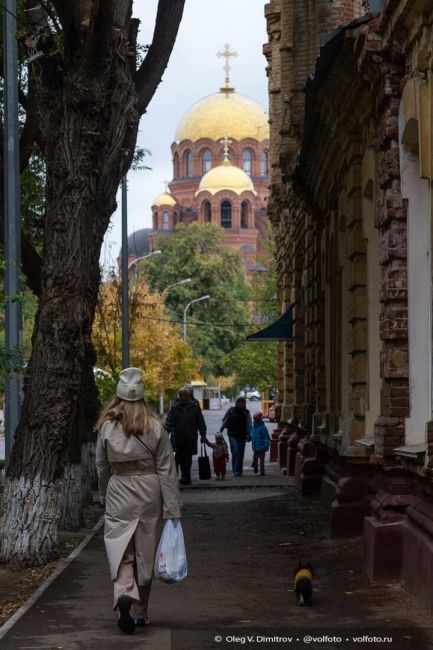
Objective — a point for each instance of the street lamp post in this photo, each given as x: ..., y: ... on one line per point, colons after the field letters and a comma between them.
x: 161, y: 391
x: 143, y: 257
x: 170, y: 286
x: 185, y: 312
x: 125, y: 288
x: 12, y: 219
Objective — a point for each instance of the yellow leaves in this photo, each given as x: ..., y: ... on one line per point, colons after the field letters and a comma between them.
x: 154, y: 340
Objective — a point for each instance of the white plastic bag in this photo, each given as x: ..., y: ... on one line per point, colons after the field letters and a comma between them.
x: 170, y: 560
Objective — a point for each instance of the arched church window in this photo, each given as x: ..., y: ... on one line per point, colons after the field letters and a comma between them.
x: 247, y: 161
x: 176, y: 165
x: 226, y: 214
x: 264, y: 163
x: 165, y: 221
x: 207, y: 212
x: 245, y: 213
x: 188, y: 164
x: 206, y: 161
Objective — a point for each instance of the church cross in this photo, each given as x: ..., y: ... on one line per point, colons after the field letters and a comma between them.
x: 226, y: 142
x: 226, y: 53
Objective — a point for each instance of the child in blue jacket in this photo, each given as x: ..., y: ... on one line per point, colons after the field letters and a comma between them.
x: 260, y: 442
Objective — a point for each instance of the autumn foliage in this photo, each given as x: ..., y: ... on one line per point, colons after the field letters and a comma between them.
x: 155, y: 343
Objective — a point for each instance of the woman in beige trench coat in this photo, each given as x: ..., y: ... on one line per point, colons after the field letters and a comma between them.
x: 137, y: 480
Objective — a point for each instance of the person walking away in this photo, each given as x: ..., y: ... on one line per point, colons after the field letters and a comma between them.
x: 260, y: 442
x: 184, y: 422
x: 237, y: 421
x: 137, y: 481
x: 220, y: 455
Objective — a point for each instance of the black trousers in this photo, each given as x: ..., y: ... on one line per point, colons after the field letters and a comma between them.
x: 183, y: 458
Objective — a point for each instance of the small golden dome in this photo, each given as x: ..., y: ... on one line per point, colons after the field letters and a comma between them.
x: 164, y: 199
x: 224, y: 114
x: 226, y: 177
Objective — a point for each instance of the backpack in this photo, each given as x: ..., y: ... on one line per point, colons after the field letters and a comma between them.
x: 237, y: 421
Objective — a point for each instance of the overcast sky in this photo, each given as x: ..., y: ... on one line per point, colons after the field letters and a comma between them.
x: 193, y: 72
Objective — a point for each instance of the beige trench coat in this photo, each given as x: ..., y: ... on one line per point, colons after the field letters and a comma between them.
x: 140, y: 488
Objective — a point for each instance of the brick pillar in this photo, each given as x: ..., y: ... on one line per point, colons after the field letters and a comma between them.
x: 390, y: 425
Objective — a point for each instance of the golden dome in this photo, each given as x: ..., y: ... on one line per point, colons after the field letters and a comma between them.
x: 164, y: 199
x: 226, y: 177
x: 224, y: 114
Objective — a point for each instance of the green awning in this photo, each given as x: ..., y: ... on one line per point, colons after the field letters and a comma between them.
x: 279, y: 330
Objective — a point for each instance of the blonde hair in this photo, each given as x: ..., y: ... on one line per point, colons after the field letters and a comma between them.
x: 134, y: 417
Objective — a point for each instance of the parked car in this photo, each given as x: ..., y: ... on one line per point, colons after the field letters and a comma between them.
x: 254, y: 395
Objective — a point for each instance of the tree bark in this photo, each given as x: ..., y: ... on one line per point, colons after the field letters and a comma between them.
x: 80, y: 470
x: 88, y: 113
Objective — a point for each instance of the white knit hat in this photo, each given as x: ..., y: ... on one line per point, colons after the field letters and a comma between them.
x: 130, y: 387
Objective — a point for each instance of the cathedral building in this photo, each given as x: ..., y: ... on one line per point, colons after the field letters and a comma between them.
x: 220, y: 159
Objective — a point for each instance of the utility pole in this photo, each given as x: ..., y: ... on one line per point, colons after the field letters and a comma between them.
x: 125, y: 287
x: 12, y: 221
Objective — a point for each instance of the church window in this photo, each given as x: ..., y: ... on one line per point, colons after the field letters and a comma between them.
x: 165, y: 221
x: 226, y: 214
x: 207, y: 212
x: 188, y: 164
x: 176, y: 165
x: 206, y: 161
x: 245, y: 213
x: 247, y: 161
x: 264, y: 163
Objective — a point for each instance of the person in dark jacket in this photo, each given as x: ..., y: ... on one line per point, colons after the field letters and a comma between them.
x: 237, y: 421
x: 184, y: 422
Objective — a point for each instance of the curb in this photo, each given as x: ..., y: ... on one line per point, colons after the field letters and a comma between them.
x: 207, y: 486
x: 61, y: 566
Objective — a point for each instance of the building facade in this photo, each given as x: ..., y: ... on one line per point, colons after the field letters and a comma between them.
x: 351, y: 160
x: 220, y: 160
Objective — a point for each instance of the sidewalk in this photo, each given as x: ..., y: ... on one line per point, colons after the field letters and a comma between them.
x: 242, y: 548
x: 75, y: 611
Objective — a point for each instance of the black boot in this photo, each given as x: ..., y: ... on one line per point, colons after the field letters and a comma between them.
x: 125, y: 623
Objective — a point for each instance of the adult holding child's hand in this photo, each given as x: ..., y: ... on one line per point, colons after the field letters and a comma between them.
x: 237, y: 421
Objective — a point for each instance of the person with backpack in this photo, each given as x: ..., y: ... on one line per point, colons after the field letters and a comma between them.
x: 237, y: 421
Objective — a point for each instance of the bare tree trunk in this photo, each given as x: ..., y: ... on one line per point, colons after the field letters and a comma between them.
x: 32, y: 507
x: 89, y: 477
x: 70, y: 517
x: 76, y: 485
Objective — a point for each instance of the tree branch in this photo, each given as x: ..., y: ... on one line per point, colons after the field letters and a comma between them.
x: 98, y: 39
x: 148, y: 76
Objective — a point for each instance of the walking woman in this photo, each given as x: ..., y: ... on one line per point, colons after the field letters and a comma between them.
x: 137, y: 479
x: 237, y: 421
